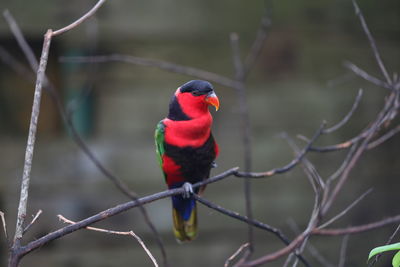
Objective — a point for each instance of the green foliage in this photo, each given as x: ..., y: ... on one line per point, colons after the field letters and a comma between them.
x: 378, y: 250
x: 396, y: 259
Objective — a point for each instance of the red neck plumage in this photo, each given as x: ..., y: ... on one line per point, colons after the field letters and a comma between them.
x: 193, y: 132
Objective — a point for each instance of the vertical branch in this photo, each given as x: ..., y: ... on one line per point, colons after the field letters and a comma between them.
x: 28, y: 52
x: 372, y: 42
x: 245, y: 121
x: 22, y: 207
x: 258, y: 43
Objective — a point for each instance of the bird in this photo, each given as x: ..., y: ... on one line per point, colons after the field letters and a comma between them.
x: 186, y: 150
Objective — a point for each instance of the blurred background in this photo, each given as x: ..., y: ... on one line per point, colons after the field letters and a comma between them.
x: 299, y: 81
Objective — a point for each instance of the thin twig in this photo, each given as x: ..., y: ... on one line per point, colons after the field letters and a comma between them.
x: 316, y: 231
x: 318, y: 256
x: 258, y: 44
x: 393, y: 235
x: 245, y: 130
x: 280, y: 253
x: 74, y: 24
x: 234, y: 255
x: 347, y: 117
x: 357, y: 229
x: 31, y: 139
x: 148, y: 62
x: 3, y: 222
x: 343, y: 250
x: 312, y: 223
x: 343, y: 166
x: 362, y: 135
x: 300, y: 240
x: 315, y: 179
x: 288, y: 166
x: 384, y: 137
x: 20, y: 39
x: 372, y: 42
x: 16, y: 66
x: 253, y: 222
x: 130, y: 233
x: 33, y: 221
x: 318, y: 186
x: 360, y: 150
x: 343, y: 212
x: 340, y: 146
x: 366, y: 76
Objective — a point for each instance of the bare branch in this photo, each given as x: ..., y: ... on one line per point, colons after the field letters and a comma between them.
x: 234, y: 255
x: 369, y: 132
x: 347, y: 117
x: 287, y: 167
x: 276, y: 255
x: 148, y: 62
x: 31, y: 139
x: 130, y: 233
x: 318, y: 256
x: 372, y: 43
x: 340, y: 170
x: 357, y: 229
x: 237, y: 61
x: 340, y: 146
x: 315, y: 179
x: 3, y: 221
x: 30, y: 56
x: 258, y: 44
x: 81, y: 19
x: 16, y: 66
x: 384, y: 137
x: 245, y: 129
x: 343, y: 212
x: 33, y: 221
x: 363, y: 74
x: 253, y: 222
x: 343, y: 249
x: 360, y: 150
x: 316, y: 231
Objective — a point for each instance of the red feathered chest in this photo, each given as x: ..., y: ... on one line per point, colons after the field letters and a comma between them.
x: 189, y: 150
x: 194, y: 132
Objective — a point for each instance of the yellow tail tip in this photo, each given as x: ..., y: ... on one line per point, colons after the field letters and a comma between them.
x: 185, y: 230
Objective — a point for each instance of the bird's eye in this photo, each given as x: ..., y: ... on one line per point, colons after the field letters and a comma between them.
x: 196, y: 93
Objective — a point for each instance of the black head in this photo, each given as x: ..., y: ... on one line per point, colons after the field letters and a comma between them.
x: 198, y: 87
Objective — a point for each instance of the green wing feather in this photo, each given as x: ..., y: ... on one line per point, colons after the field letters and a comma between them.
x: 159, y: 139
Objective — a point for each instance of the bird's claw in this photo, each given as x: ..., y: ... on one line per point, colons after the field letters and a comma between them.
x: 214, y: 164
x: 187, y: 190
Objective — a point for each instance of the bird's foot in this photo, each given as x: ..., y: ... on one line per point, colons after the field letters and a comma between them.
x: 214, y: 164
x: 187, y: 190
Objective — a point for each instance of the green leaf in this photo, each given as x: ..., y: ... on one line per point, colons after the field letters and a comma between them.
x: 396, y: 260
x: 381, y: 249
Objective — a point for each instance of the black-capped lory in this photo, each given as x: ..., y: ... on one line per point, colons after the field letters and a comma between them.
x: 186, y: 150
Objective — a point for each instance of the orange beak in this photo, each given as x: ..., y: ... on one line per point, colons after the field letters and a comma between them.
x: 212, y: 99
